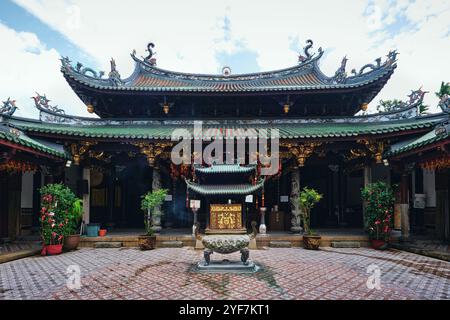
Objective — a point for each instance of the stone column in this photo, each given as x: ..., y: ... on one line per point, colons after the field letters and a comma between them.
x: 295, y: 193
x: 86, y: 175
x: 156, y: 214
x: 404, y: 205
x: 367, y: 181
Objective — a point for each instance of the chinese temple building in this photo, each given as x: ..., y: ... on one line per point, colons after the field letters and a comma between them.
x: 324, y: 143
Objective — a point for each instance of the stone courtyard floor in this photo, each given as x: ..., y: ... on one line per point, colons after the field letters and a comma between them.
x: 293, y: 273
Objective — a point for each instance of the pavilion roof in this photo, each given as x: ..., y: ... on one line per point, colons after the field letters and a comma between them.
x: 225, y: 189
x: 226, y: 168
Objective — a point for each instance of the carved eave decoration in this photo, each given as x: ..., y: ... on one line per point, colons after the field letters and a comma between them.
x: 152, y: 150
x: 301, y: 151
x: 80, y: 151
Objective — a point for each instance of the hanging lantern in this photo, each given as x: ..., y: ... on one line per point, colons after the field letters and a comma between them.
x: 90, y: 108
x: 286, y: 108
x: 166, y: 108
x: 364, y: 106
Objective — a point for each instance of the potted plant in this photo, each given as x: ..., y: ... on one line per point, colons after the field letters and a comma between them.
x: 308, y: 198
x: 56, y: 203
x: 379, y: 203
x: 150, y: 201
x: 72, y: 230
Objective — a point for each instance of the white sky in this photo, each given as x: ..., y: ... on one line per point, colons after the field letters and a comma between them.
x: 190, y: 35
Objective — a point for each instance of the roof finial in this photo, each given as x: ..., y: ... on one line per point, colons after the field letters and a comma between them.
x: 114, y: 75
x: 149, y: 59
x: 307, y: 55
x: 41, y: 102
x: 8, y: 108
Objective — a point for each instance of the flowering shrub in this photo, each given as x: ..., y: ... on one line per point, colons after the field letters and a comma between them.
x: 57, y: 202
x: 379, y: 198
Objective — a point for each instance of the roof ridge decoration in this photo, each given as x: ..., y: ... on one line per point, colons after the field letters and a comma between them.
x: 114, y: 75
x: 307, y: 55
x: 66, y: 65
x: 444, y: 103
x: 48, y: 112
x: 8, y: 108
x: 340, y: 75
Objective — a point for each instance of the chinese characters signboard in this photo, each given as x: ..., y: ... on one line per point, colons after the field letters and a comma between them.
x: 226, y: 216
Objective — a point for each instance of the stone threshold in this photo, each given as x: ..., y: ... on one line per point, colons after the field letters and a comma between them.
x: 422, y: 251
x: 7, y: 257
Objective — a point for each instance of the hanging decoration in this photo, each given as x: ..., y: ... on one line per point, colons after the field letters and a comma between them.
x: 15, y: 166
x: 437, y: 164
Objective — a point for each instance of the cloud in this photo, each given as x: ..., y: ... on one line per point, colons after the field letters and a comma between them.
x: 28, y: 67
x: 194, y: 36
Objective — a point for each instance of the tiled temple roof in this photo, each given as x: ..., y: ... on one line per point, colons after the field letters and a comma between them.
x: 431, y: 138
x: 303, y: 77
x: 162, y: 130
x: 16, y: 137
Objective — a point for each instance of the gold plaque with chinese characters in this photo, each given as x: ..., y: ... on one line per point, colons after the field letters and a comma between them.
x: 226, y: 216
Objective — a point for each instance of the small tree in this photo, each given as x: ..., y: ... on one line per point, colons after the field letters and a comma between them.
x: 150, y: 201
x: 379, y: 198
x: 308, y: 199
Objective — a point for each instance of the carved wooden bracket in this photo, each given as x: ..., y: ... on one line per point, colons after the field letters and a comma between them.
x: 302, y: 151
x: 79, y: 151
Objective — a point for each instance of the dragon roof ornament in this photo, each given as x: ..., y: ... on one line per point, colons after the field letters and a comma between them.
x: 8, y: 108
x: 444, y: 103
x: 307, y: 56
x: 47, y: 112
x: 341, y: 76
x: 79, y: 68
x: 114, y: 75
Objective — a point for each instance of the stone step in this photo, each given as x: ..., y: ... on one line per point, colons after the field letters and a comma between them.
x: 345, y: 244
x: 109, y: 244
x: 171, y: 244
x: 280, y: 244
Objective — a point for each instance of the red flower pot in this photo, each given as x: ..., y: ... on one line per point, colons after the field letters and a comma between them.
x: 102, y: 232
x: 52, y: 249
x: 378, y: 244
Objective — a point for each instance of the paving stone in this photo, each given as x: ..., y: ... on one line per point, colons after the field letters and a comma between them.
x: 171, y: 244
x: 345, y: 244
x: 287, y: 273
x: 280, y: 244
x: 111, y: 244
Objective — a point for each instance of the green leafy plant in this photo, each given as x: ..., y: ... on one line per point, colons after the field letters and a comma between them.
x: 379, y: 203
x: 307, y: 200
x: 57, y: 203
x: 75, y: 216
x: 149, y: 202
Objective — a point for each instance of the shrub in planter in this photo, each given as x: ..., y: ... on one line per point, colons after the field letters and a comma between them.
x: 56, y: 203
x: 379, y: 204
x: 307, y: 200
x: 72, y: 229
x: 149, y: 202
x: 61, y: 215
